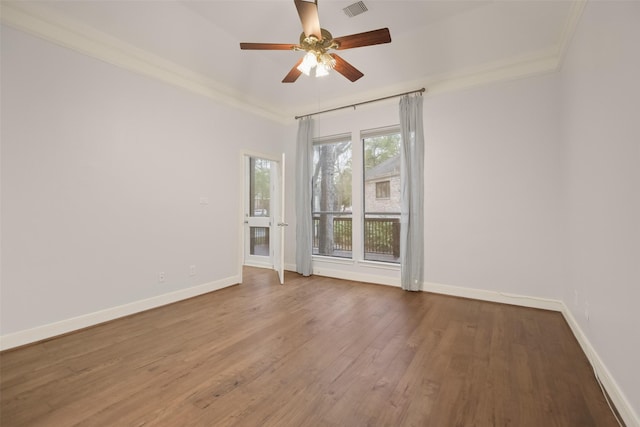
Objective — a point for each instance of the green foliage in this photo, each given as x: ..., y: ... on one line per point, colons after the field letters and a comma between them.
x: 260, y: 184
x: 380, y: 148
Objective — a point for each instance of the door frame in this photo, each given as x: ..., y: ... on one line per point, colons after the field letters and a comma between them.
x: 244, y: 154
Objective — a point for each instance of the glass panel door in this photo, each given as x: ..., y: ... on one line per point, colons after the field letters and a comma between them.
x: 258, y: 212
x: 259, y: 241
x: 264, y: 222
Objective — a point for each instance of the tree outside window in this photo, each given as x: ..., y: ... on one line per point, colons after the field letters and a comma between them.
x: 260, y: 186
x: 332, y: 196
x: 331, y: 208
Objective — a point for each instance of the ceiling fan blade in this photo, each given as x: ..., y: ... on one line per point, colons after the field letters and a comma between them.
x: 308, y: 12
x: 368, y: 38
x: 267, y: 46
x: 294, y: 73
x: 346, y: 69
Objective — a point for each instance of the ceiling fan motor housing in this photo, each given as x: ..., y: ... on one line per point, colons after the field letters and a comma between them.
x: 319, y: 48
x: 312, y: 44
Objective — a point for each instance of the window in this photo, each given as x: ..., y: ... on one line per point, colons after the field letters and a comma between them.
x: 377, y: 236
x: 383, y: 189
x: 381, y: 158
x: 259, y: 186
x: 331, y: 197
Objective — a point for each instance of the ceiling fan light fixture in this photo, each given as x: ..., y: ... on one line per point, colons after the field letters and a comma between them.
x: 327, y: 60
x: 308, y: 63
x: 322, y: 70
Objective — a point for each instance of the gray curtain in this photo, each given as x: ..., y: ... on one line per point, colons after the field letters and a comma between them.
x: 412, y: 193
x: 304, y: 164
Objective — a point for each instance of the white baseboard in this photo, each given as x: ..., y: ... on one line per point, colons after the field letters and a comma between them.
x: 258, y: 264
x: 619, y: 400
x: 479, y: 294
x: 356, y: 276
x: 494, y: 296
x: 69, y: 325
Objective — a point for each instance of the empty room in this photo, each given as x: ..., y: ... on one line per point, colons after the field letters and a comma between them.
x: 319, y: 213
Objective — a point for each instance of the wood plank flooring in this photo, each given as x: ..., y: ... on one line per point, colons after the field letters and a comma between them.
x: 314, y: 352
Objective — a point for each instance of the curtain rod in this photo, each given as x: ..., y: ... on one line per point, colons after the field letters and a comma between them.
x: 361, y: 103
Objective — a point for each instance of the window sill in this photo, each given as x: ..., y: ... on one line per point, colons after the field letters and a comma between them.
x: 380, y: 265
x: 333, y: 260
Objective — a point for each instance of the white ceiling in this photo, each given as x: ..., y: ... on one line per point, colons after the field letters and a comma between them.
x: 435, y: 44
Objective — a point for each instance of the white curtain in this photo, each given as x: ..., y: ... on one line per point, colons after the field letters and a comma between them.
x: 304, y: 164
x: 412, y: 193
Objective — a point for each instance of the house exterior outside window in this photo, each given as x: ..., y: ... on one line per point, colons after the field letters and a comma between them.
x: 381, y: 158
x: 376, y: 233
x: 383, y: 189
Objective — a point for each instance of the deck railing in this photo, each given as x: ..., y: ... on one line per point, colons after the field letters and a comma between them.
x: 381, y: 235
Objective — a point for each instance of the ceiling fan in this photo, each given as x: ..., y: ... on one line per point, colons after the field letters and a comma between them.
x: 317, y: 42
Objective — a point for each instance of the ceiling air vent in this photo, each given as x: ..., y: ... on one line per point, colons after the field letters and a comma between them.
x: 355, y: 9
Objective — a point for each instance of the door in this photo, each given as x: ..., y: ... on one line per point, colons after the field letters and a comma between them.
x: 278, y: 241
x: 264, y: 213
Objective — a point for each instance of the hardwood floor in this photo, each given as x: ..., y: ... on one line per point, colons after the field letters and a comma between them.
x: 314, y: 352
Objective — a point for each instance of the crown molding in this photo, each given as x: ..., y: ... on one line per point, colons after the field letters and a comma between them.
x: 515, y: 68
x: 531, y: 65
x: 524, y: 66
x: 76, y: 36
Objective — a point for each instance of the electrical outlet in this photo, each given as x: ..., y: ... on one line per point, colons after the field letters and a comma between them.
x: 192, y: 270
x: 161, y: 277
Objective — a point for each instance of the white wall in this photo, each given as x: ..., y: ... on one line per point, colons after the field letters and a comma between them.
x: 492, y: 188
x: 492, y: 185
x: 601, y: 132
x: 102, y: 175
x: 532, y: 186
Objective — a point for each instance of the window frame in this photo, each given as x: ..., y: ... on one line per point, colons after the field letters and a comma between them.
x: 356, y: 137
x: 365, y: 134
x: 332, y: 139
